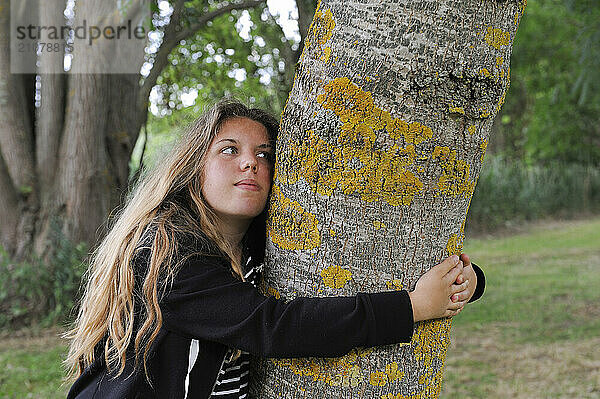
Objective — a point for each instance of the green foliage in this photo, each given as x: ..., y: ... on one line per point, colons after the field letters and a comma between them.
x: 509, y: 192
x: 38, y: 292
x: 253, y: 65
x: 552, y: 108
x: 219, y: 62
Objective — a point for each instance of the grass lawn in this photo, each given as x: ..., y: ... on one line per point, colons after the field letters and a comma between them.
x: 536, y: 331
x: 534, y: 334
x: 30, y: 365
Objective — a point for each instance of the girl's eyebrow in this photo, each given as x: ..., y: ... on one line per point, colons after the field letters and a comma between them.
x: 264, y: 145
x: 232, y: 140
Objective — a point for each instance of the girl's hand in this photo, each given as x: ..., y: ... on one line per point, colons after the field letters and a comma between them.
x: 469, y: 275
x: 431, y: 297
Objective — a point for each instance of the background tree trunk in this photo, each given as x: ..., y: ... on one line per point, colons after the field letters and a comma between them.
x: 380, y: 148
x: 89, y: 132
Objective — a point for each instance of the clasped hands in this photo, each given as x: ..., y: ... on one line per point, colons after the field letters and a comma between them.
x: 444, y: 290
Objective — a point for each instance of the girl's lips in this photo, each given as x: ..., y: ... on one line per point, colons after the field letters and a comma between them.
x: 248, y: 184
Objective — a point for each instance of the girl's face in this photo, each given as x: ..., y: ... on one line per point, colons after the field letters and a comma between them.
x: 237, y: 172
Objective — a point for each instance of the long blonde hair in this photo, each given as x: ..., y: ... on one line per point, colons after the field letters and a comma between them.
x: 166, y: 205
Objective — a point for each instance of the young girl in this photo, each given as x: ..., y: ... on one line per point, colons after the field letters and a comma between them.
x: 171, y: 308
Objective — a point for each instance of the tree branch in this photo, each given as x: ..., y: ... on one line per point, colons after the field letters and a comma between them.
x: 162, y: 55
x: 173, y: 37
x: 202, y: 21
x: 291, y: 58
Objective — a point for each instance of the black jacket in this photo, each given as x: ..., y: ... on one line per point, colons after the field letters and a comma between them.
x: 209, y: 304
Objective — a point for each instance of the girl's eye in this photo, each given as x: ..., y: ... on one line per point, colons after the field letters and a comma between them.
x: 229, y: 150
x: 265, y: 154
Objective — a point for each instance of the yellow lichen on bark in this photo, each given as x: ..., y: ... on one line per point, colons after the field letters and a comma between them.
x: 289, y: 225
x: 484, y: 112
x: 431, y: 390
x: 497, y: 37
x: 361, y: 117
x: 335, y: 277
x: 395, y: 285
x: 483, y: 148
x: 381, y: 176
x: 320, y: 32
x: 455, y: 242
x: 453, y: 247
x: 382, y: 378
x: 388, y: 175
x: 503, y: 97
x: 339, y: 372
x: 456, y: 110
x: 323, y: 28
x: 378, y: 224
x: 431, y: 340
x: 455, y: 179
x: 273, y: 292
x: 520, y: 12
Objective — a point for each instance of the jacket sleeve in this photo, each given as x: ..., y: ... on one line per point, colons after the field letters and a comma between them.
x: 480, y: 283
x: 207, y: 302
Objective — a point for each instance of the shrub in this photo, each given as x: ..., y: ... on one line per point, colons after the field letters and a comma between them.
x: 37, y: 292
x: 508, y: 192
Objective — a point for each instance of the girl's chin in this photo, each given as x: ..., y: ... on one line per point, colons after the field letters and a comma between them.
x: 248, y: 214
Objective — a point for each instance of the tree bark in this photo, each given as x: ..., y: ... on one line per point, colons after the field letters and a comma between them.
x: 51, y: 110
x: 380, y: 148
x: 17, y: 171
x: 8, y: 203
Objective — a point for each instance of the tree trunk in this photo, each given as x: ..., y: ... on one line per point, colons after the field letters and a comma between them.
x: 89, y: 133
x: 18, y: 195
x: 380, y: 148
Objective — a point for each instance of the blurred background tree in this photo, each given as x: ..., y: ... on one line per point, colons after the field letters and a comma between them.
x: 544, y: 152
x: 552, y: 110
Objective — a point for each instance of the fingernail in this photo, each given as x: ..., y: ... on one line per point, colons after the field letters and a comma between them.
x: 467, y: 282
x: 455, y: 258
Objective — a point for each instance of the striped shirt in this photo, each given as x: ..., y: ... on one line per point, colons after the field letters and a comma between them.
x: 232, y: 381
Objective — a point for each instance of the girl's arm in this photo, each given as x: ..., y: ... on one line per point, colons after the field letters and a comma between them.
x: 208, y: 302
x: 480, y: 282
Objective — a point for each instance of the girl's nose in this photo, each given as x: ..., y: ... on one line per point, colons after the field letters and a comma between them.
x: 250, y: 163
